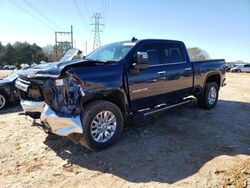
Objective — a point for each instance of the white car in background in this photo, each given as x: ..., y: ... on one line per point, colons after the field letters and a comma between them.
x: 241, y: 68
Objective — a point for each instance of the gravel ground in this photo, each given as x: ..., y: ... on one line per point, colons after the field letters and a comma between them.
x: 4, y: 73
x: 184, y: 147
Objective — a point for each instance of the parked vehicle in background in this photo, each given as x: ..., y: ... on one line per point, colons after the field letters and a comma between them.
x: 241, y: 68
x: 12, y: 67
x: 89, y: 99
x: 8, y: 90
x: 228, y: 67
x: 9, y: 67
x: 6, y: 67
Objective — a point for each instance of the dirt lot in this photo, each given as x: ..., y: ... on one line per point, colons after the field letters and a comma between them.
x: 185, y: 147
x: 4, y: 73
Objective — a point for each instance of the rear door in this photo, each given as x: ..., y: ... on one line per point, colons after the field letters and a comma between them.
x: 179, y: 70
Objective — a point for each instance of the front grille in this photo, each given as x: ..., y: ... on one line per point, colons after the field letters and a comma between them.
x: 24, y: 81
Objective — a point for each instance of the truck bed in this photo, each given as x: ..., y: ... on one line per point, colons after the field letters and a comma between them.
x: 205, y: 67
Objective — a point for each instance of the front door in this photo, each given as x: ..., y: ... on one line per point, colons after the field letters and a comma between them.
x: 148, y: 87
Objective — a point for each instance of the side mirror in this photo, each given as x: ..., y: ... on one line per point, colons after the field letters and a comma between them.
x: 141, y: 60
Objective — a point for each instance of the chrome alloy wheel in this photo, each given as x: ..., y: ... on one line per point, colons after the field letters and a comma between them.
x: 103, y: 126
x: 212, y: 95
x: 2, y: 101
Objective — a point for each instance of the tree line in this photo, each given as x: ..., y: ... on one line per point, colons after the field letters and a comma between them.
x: 21, y: 53
x: 24, y: 53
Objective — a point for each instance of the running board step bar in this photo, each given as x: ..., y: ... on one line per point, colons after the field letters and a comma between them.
x: 152, y: 111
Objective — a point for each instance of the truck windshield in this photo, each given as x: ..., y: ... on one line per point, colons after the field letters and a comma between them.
x: 111, y: 52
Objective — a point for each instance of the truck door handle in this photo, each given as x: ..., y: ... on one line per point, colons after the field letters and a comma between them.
x: 188, y: 69
x: 162, y: 72
x: 162, y: 75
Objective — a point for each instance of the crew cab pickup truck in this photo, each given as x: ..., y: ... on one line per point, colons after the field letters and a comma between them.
x: 89, y: 99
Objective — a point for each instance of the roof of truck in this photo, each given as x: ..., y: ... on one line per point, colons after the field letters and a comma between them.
x: 166, y: 40
x: 158, y: 40
x: 135, y: 41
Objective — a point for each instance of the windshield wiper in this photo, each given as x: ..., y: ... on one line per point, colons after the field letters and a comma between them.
x: 103, y: 62
x: 89, y: 59
x: 110, y: 62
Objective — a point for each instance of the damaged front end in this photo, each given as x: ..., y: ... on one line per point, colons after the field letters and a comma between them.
x: 56, y: 102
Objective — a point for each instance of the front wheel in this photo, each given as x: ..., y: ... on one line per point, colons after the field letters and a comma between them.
x: 210, y: 95
x: 103, y: 123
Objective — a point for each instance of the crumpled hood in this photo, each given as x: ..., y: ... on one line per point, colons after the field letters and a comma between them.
x: 51, y: 70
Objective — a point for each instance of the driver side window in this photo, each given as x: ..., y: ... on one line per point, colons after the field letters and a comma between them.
x: 153, y: 53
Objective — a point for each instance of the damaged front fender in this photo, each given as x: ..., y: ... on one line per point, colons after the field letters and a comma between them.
x: 64, y: 95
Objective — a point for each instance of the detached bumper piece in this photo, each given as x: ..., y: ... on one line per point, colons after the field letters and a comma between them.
x: 62, y: 126
x: 32, y: 106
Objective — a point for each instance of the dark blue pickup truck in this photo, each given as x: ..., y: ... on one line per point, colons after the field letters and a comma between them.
x: 88, y: 99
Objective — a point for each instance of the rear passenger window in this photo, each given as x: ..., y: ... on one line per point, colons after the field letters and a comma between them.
x: 153, y: 52
x: 172, y: 53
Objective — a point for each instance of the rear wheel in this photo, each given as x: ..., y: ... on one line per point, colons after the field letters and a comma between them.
x: 3, y: 101
x: 103, y: 123
x: 210, y: 95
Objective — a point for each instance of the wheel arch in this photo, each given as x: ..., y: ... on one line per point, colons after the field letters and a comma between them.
x: 2, y: 91
x: 118, y: 97
x: 214, y: 77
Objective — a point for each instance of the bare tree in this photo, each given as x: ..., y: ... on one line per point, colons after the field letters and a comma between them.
x: 197, y: 54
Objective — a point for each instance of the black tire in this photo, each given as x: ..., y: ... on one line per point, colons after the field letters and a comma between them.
x: 91, y: 111
x: 204, y: 101
x: 3, y: 100
x: 238, y: 70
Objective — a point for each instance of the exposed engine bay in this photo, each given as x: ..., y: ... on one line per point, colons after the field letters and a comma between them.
x: 63, y: 95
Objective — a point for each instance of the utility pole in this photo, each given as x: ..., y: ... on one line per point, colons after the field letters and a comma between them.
x: 70, y: 42
x: 97, y: 29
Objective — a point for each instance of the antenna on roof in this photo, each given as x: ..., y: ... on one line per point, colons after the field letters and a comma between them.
x: 134, y: 39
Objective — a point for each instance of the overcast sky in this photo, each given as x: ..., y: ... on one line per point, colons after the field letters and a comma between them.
x: 221, y: 27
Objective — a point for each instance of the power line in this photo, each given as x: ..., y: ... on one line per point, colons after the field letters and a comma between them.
x: 86, y: 7
x: 40, y: 13
x: 105, y: 7
x: 80, y: 13
x: 57, y: 12
x: 27, y: 12
x: 97, y: 29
